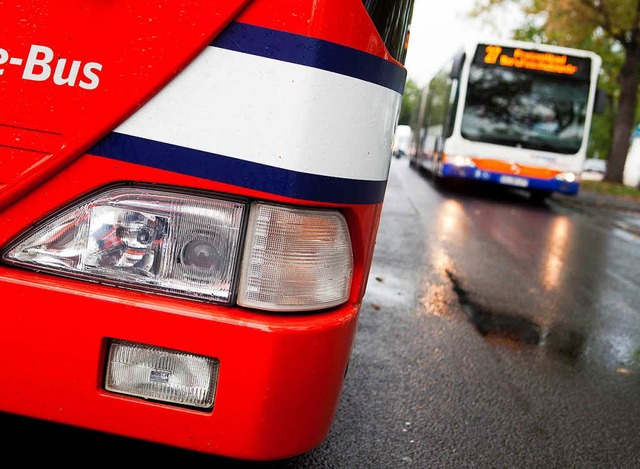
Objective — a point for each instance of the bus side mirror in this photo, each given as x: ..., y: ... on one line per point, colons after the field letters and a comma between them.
x: 601, y: 101
x: 456, y: 66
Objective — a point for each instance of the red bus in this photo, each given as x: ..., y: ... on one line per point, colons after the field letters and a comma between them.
x: 190, y: 194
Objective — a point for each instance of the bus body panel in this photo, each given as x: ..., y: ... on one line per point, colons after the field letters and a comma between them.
x: 530, y: 169
x: 278, y: 384
x: 68, y: 75
x: 266, y: 109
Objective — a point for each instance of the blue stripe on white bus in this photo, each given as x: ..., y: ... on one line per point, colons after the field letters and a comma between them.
x: 238, y: 172
x: 552, y: 185
x: 311, y: 52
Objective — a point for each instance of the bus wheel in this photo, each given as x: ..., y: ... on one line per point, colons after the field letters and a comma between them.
x: 539, y: 197
x: 441, y: 183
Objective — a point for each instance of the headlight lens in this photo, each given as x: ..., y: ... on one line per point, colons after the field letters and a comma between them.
x: 144, y: 238
x: 295, y: 259
x: 461, y: 161
x: 567, y: 177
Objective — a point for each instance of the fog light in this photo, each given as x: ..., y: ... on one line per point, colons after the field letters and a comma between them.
x: 161, y: 374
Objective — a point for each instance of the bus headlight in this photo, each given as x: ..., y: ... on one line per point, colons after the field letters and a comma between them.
x: 567, y: 177
x: 461, y: 161
x: 295, y: 259
x: 142, y: 238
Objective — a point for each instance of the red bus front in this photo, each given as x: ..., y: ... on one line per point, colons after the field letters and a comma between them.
x: 189, y: 205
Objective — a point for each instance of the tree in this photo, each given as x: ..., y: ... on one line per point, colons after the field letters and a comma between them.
x: 613, y: 26
x: 410, y: 101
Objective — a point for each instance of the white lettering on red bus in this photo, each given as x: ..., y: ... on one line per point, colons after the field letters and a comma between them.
x: 41, y: 65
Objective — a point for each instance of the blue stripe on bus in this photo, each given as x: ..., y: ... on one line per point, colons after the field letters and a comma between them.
x: 238, y: 172
x: 551, y: 185
x: 311, y: 52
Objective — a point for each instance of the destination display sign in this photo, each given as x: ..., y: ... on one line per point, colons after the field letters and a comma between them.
x: 534, y: 60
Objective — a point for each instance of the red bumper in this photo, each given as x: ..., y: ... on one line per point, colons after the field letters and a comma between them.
x: 278, y: 386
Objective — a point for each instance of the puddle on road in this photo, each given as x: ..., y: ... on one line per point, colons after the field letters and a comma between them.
x: 565, y: 343
x: 515, y: 330
x: 436, y: 300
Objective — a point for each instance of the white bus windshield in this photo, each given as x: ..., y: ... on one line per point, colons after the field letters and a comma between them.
x: 524, y: 108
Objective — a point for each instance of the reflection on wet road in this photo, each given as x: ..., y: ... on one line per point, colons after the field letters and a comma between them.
x: 542, y: 276
x: 511, y: 331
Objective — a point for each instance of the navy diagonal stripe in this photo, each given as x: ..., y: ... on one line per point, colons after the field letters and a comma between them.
x: 311, y: 52
x: 238, y: 172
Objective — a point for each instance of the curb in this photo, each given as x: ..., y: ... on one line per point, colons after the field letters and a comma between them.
x: 598, y: 201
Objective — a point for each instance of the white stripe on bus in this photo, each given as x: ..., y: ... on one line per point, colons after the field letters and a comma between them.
x: 275, y: 113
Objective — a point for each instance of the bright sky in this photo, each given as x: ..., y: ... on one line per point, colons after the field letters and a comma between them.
x: 440, y: 27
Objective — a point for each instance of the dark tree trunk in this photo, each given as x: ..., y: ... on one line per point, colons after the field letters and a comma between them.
x: 626, y: 112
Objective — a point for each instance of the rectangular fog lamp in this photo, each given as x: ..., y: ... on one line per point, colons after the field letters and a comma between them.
x: 161, y: 374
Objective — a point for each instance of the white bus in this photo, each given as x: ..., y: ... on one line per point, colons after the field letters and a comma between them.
x: 510, y: 113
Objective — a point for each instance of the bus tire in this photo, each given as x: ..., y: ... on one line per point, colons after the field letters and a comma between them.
x: 539, y: 197
x: 440, y: 183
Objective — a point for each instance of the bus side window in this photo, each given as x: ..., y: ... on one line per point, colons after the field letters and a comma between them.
x: 426, y: 122
x: 454, y: 95
x: 452, y: 107
x: 426, y: 119
x: 456, y: 66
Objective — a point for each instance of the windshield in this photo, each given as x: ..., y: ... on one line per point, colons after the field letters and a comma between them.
x: 525, y: 109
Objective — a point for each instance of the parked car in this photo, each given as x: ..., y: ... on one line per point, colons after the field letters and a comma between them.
x: 594, y: 169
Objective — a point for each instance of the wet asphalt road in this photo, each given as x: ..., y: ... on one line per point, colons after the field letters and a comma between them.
x: 494, y: 333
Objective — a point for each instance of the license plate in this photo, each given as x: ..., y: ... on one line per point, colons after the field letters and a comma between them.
x: 514, y: 181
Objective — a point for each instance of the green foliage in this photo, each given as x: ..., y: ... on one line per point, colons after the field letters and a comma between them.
x: 610, y: 188
x: 531, y: 32
x: 601, y: 134
x: 410, y: 102
x: 438, y: 94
